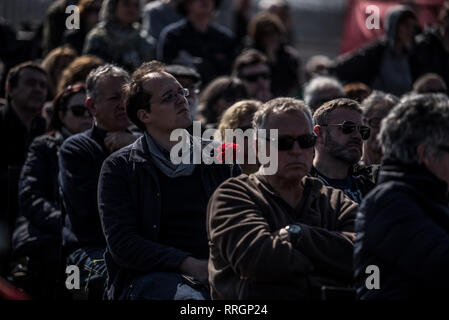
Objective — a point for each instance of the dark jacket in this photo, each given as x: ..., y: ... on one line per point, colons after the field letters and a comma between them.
x: 15, y: 139
x: 403, y: 228
x: 38, y: 193
x: 129, y: 203
x: 363, y: 177
x: 213, y: 51
x: 430, y: 55
x: 248, y: 260
x: 80, y: 160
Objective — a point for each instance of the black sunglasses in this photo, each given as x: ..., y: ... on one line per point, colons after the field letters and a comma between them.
x: 253, y: 77
x: 305, y: 141
x: 348, y: 127
x: 443, y: 148
x: 79, y: 110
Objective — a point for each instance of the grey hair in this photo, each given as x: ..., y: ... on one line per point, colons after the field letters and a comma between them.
x: 418, y: 119
x: 313, y: 89
x: 376, y: 100
x: 106, y: 70
x: 280, y: 105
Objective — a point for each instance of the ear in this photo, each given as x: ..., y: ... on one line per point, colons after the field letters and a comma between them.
x: 60, y: 115
x: 144, y: 116
x: 8, y: 88
x: 423, y: 154
x: 319, y: 133
x: 90, y: 104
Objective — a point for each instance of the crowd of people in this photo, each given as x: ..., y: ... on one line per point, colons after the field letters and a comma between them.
x: 88, y: 178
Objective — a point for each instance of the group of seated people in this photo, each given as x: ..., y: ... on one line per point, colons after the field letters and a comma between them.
x: 100, y: 191
x: 360, y: 179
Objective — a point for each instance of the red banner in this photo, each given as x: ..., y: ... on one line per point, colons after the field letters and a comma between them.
x: 355, y: 30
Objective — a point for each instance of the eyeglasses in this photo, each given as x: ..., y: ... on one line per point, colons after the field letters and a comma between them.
x: 305, y: 141
x: 171, y: 96
x: 253, y: 77
x: 79, y: 110
x: 348, y: 127
x: 443, y: 148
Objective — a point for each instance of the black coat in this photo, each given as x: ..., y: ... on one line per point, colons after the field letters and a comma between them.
x: 403, y: 228
x: 361, y: 65
x: 38, y: 193
x: 430, y: 56
x: 80, y: 160
x: 15, y: 139
x: 129, y: 203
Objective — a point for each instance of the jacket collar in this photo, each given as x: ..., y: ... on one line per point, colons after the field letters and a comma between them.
x: 419, y: 177
x: 140, y: 152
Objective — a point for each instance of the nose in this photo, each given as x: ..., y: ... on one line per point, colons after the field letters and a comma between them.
x: 296, y: 149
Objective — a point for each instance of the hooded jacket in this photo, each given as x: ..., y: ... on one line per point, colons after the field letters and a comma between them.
x: 377, y: 64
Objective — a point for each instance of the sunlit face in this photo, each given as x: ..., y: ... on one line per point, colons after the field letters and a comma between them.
x: 169, y: 109
x: 341, y: 146
x: 30, y: 91
x: 295, y: 163
x: 72, y: 119
x: 109, y: 105
x: 127, y: 11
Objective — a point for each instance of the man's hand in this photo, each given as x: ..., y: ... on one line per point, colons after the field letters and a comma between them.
x: 195, y: 268
x: 118, y: 139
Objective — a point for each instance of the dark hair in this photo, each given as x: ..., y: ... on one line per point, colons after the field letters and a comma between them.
x: 230, y: 89
x: 60, y: 103
x: 248, y: 58
x: 136, y: 97
x: 421, y: 84
x: 177, y: 70
x: 262, y: 24
x: 78, y: 70
x: 321, y: 115
x: 357, y: 91
x: 181, y: 6
x: 13, y: 77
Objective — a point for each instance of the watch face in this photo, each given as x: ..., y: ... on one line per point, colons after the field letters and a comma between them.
x: 294, y: 228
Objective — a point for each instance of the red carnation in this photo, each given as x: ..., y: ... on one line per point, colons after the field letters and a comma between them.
x: 228, y: 150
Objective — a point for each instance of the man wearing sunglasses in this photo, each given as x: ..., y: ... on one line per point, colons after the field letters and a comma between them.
x: 285, y: 235
x: 252, y: 68
x: 340, y: 134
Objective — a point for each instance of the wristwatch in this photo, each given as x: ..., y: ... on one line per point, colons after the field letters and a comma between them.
x: 291, y: 233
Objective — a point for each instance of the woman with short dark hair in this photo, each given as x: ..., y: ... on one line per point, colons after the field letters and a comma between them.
x: 38, y: 229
